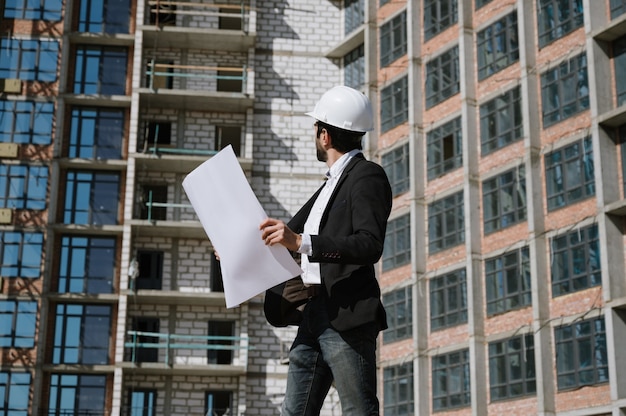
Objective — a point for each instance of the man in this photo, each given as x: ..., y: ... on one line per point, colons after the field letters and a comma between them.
x: 340, y: 233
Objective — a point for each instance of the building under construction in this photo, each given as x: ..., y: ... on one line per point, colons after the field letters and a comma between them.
x: 501, y: 125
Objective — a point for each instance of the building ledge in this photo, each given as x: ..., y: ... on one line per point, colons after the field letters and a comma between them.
x: 88, y: 229
x: 615, y: 29
x: 174, y: 229
x: 197, y: 38
x: 347, y: 44
x: 613, y: 118
x: 183, y: 369
x: 178, y: 297
x: 116, y: 39
x: 231, y: 102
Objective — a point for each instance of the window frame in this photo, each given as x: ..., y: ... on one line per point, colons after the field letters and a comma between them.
x: 509, y: 186
x: 564, y: 186
x: 396, y: 164
x: 393, y: 40
x: 353, y: 15
x: 568, y: 252
x: 148, y: 398
x: 451, y: 372
x: 499, y: 37
x: 42, y: 53
x: 501, y: 294
x: 26, y: 122
x: 87, y: 254
x: 398, y: 305
x: 447, y: 138
x: 564, y: 90
x: 569, y: 342
x: 96, y: 133
x: 516, y: 358
x: 22, y: 318
x: 446, y: 214
x: 48, y: 10
x: 549, y: 30
x: 66, y: 385
x: 354, y: 67
x: 23, y: 187
x: 397, y: 247
x: 70, y: 346
x: 109, y: 20
x: 398, y: 389
x: 617, y: 8
x: 101, y: 189
x: 16, y: 397
x: 22, y: 253
x: 450, y: 290
x: 501, y: 121
x: 437, y: 19
x: 446, y: 65
x: 100, y: 70
x: 394, y: 104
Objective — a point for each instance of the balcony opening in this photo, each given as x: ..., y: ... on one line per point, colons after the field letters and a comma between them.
x: 229, y: 81
x: 225, y: 135
x: 220, y: 329
x: 163, y: 14
x: 150, y: 270
x: 161, y: 76
x: 228, y: 22
x: 156, y: 133
x: 149, y: 195
x: 146, y: 325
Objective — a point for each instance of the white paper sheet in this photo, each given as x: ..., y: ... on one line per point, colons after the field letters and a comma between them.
x: 230, y: 214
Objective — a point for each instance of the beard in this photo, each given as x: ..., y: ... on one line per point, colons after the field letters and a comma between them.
x: 322, y: 155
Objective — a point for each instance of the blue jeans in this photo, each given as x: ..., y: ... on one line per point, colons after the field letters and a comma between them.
x: 321, y: 355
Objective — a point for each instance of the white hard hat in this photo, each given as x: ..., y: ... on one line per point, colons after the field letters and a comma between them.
x: 346, y: 108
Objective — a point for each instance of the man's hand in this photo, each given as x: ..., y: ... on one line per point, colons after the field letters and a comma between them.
x: 274, y: 231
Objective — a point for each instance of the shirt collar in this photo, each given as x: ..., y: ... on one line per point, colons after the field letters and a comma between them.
x: 339, y: 166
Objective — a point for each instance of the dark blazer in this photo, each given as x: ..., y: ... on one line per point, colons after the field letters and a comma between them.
x: 350, y: 242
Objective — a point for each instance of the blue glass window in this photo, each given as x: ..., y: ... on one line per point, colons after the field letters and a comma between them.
x: 77, y: 394
x: 21, y: 254
x: 23, y: 186
x: 91, y: 198
x: 29, y: 59
x: 104, y: 16
x: 354, y: 14
x: 18, y: 322
x: 87, y: 265
x: 15, y: 392
x: 96, y: 133
x: 26, y: 122
x: 142, y: 402
x: 81, y: 334
x: 100, y: 70
x: 49, y: 10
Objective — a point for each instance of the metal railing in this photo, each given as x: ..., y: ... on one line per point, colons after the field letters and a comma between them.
x: 170, y: 342
x: 162, y: 10
x: 196, y: 72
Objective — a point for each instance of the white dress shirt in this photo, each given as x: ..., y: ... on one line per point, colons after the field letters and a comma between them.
x: 311, y: 271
